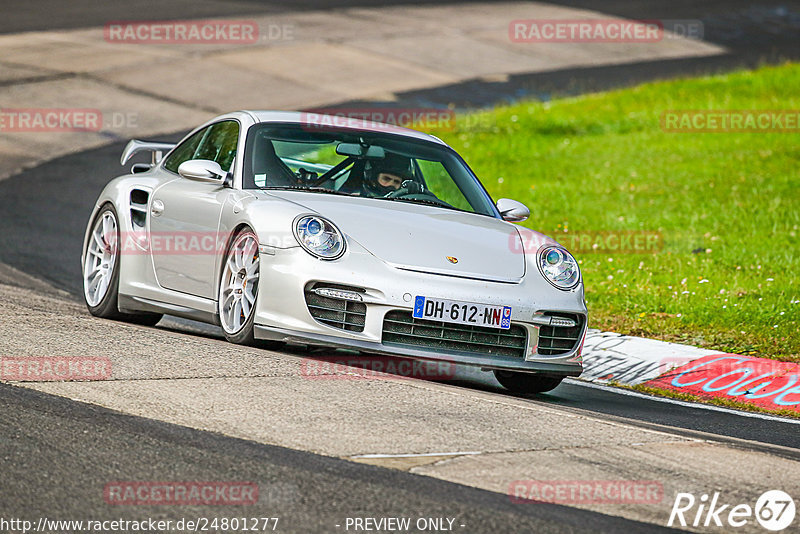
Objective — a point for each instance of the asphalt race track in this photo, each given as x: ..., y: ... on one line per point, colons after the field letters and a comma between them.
x: 752, y: 34
x: 21, y: 16
x: 62, y: 443
x: 45, y: 210
x: 83, y: 447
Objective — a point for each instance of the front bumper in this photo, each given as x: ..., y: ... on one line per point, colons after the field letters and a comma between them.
x: 282, y: 313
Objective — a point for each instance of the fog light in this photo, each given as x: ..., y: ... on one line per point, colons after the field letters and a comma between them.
x: 561, y: 321
x: 341, y: 294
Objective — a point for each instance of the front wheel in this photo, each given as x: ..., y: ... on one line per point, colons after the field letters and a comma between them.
x: 101, y: 271
x: 238, y: 288
x: 527, y: 382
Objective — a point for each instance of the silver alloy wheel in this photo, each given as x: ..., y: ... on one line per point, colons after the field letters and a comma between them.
x: 101, y: 256
x: 239, y: 283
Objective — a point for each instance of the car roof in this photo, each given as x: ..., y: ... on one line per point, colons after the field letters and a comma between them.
x: 341, y: 122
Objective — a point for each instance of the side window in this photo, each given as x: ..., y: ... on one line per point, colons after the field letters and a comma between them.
x: 216, y: 143
x: 443, y: 185
x: 219, y: 144
x: 185, y: 151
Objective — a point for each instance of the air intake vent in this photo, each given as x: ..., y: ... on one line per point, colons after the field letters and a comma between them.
x: 401, y: 328
x: 139, y: 201
x: 337, y: 313
x: 560, y: 339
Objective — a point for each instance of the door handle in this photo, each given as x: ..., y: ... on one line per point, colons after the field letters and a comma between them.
x: 157, y: 208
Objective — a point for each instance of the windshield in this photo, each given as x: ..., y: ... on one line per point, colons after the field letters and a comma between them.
x: 365, y: 164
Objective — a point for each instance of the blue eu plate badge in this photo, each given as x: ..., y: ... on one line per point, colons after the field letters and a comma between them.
x: 505, y: 322
x: 419, y: 306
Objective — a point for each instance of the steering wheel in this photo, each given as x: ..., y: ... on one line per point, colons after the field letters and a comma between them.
x: 408, y: 187
x: 416, y: 191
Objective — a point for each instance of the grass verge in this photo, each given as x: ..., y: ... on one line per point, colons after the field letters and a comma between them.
x: 726, y: 205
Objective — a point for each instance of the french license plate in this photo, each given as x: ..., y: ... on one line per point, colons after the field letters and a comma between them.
x: 451, y: 311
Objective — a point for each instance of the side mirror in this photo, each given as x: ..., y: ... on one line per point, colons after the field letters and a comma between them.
x: 202, y: 170
x: 512, y: 211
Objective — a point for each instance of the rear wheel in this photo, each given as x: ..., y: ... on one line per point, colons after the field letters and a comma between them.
x: 238, y: 288
x: 527, y: 382
x: 101, y: 271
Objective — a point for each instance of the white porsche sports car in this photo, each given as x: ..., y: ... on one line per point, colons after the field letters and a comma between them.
x: 293, y: 227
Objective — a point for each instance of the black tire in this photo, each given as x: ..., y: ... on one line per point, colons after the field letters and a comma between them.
x: 527, y: 382
x: 246, y: 334
x: 108, y: 307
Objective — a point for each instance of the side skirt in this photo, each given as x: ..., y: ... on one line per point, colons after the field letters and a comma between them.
x: 129, y: 304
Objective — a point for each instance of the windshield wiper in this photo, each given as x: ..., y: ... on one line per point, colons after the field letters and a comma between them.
x: 440, y: 204
x: 302, y: 188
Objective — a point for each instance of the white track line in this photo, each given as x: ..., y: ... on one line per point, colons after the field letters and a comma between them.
x: 701, y: 406
x: 415, y: 455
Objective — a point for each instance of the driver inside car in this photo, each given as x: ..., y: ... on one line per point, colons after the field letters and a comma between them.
x: 382, y: 177
x: 387, y: 180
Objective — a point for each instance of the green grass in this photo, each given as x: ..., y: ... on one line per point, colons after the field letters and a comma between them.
x: 601, y: 162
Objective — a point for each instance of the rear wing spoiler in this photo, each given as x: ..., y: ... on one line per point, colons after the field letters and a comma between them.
x: 135, y: 146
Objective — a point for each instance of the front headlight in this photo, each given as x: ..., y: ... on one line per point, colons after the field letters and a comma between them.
x: 319, y: 237
x: 559, y: 267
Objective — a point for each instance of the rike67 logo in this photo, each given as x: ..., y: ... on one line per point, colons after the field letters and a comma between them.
x: 774, y: 510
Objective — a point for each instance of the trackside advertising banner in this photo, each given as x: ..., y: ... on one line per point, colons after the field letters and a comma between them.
x: 766, y: 383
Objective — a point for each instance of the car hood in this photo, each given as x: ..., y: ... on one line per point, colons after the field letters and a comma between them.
x: 423, y: 238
